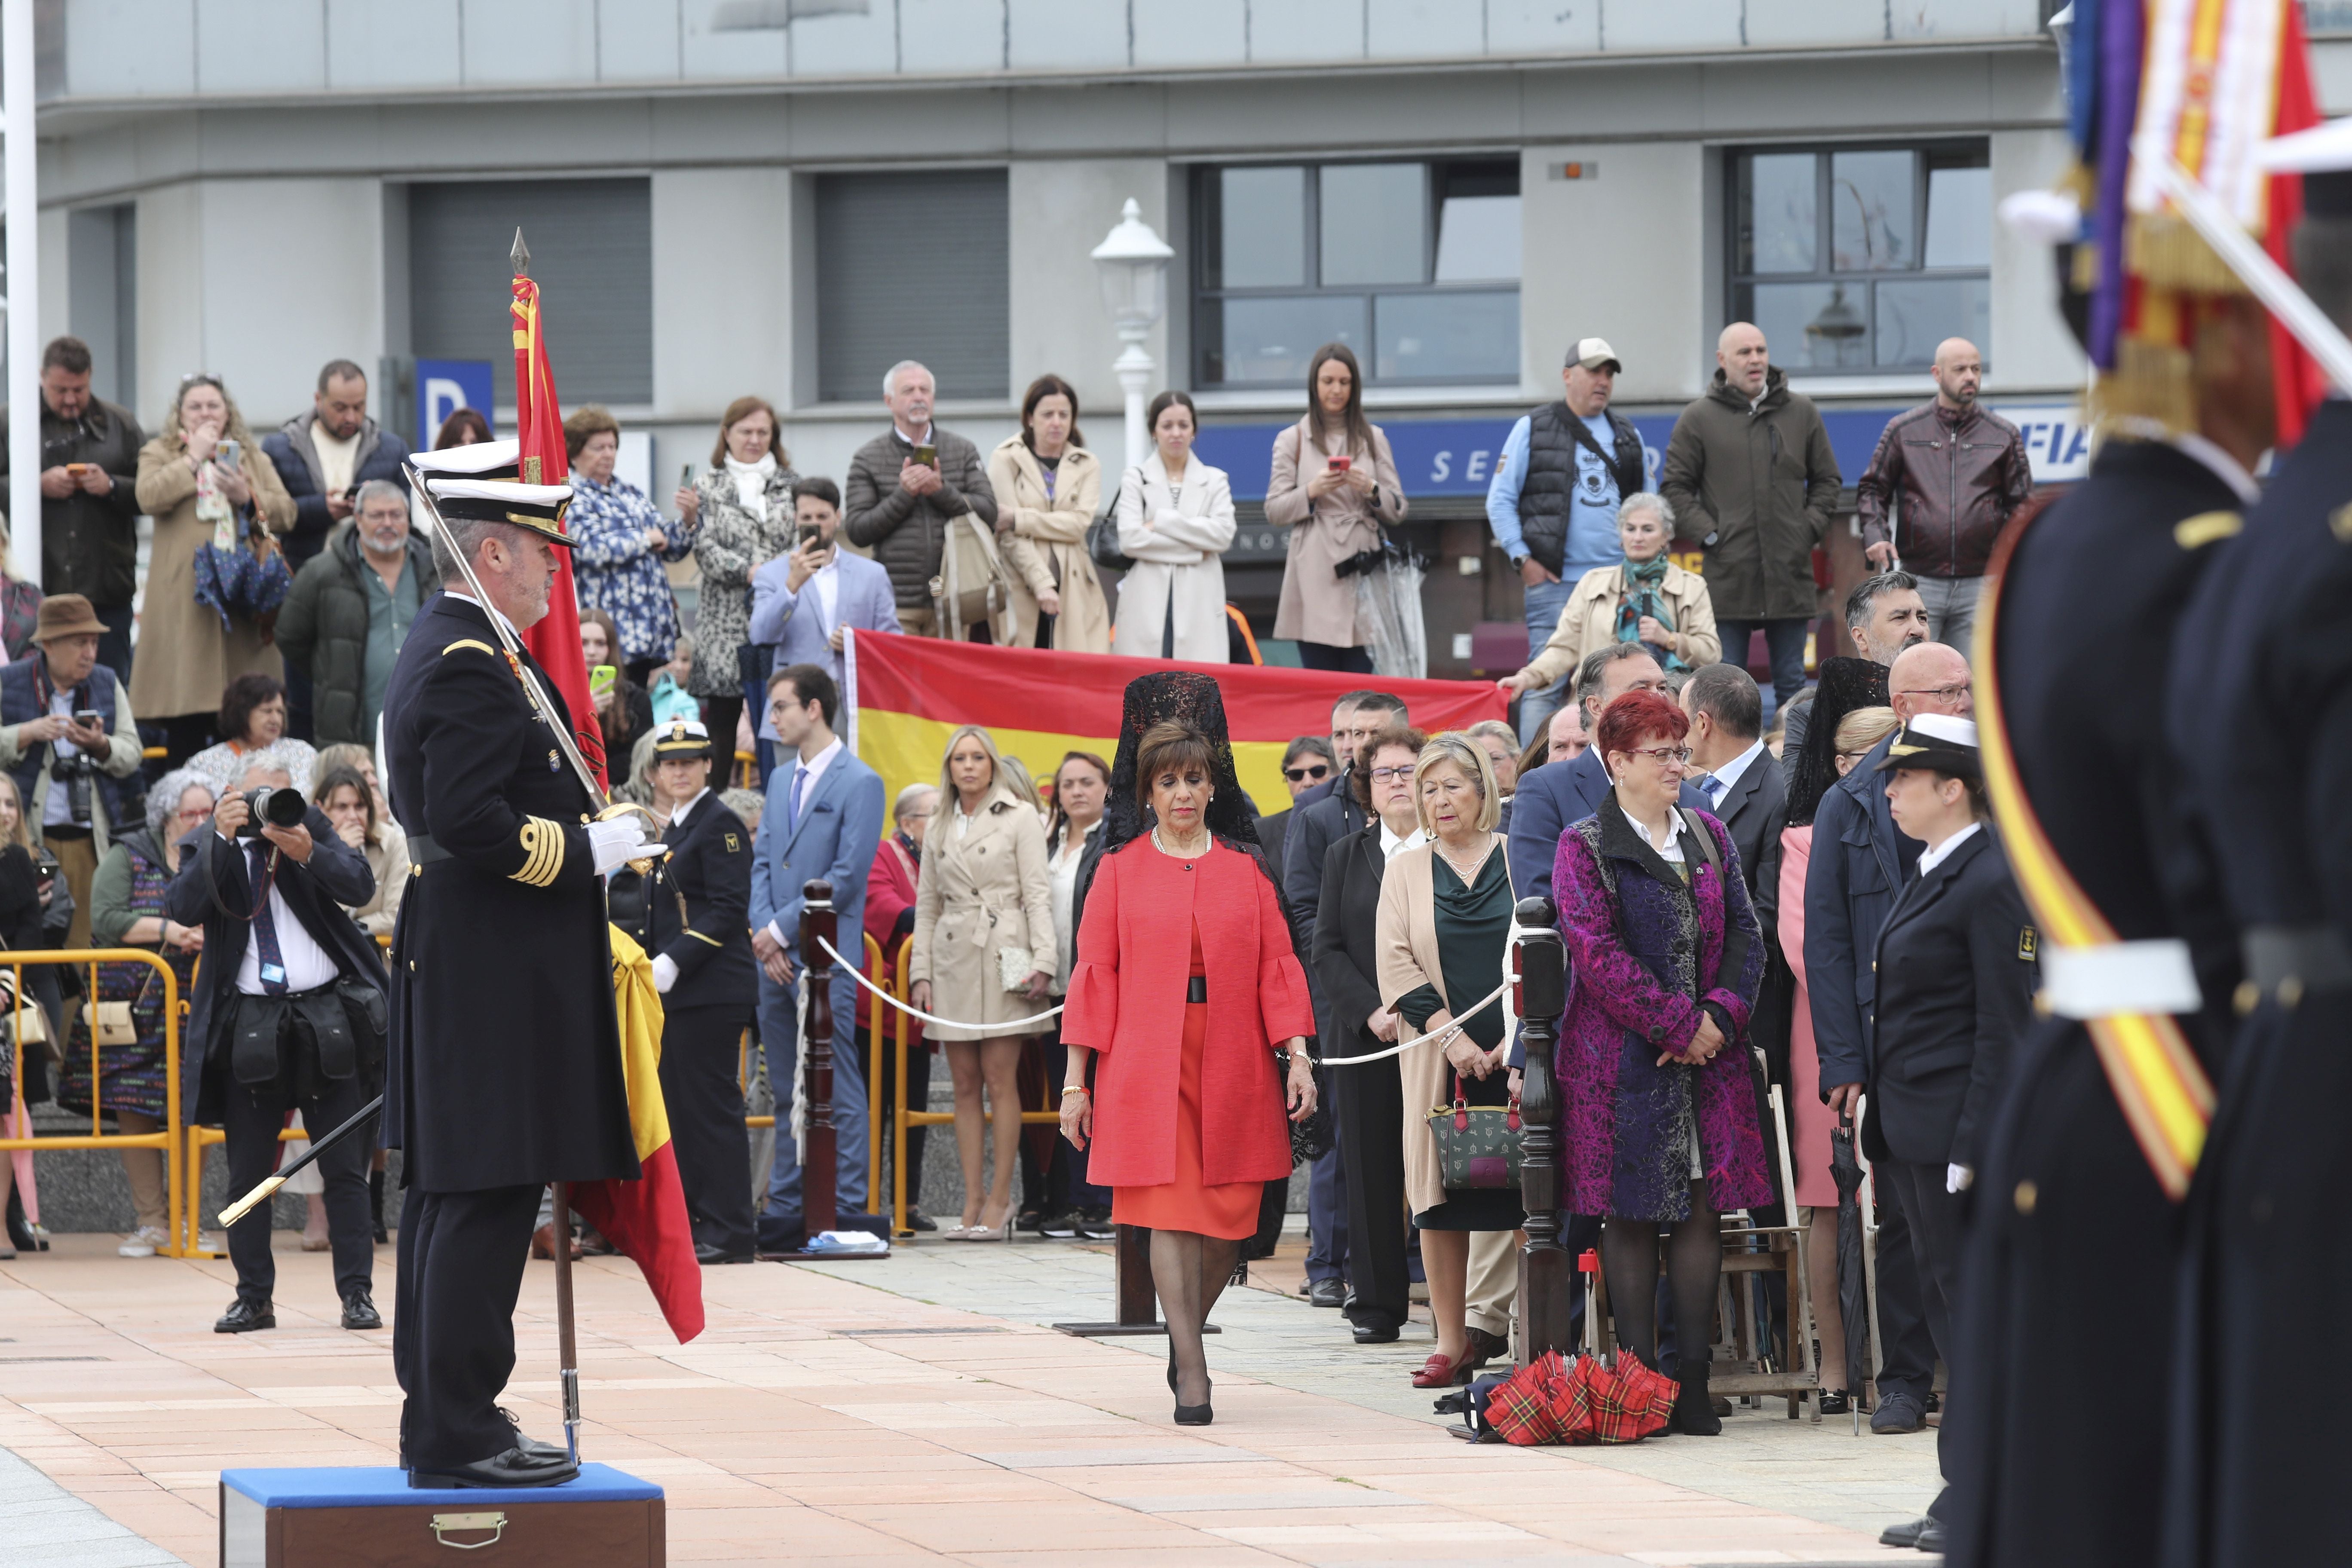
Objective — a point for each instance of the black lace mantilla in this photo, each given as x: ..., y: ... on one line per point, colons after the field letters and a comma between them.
x: 1845, y: 685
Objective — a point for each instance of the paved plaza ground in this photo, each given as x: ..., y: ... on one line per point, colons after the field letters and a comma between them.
x: 915, y: 1409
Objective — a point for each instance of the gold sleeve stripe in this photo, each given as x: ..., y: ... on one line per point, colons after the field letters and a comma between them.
x: 2207, y: 528
x: 468, y: 641
x: 699, y: 937
x: 543, y: 848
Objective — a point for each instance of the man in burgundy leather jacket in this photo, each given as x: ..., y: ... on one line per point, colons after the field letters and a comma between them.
x: 1946, y: 478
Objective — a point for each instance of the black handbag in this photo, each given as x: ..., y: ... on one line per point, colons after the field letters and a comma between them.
x: 1102, y: 534
x: 1311, y: 1138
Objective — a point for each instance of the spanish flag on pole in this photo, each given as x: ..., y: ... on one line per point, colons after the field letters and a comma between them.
x: 646, y: 1218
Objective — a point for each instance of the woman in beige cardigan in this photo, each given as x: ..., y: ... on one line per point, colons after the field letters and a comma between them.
x: 1646, y: 598
x: 1332, y: 485
x: 1048, y: 488
x: 1443, y: 933
x: 186, y: 658
x: 985, y: 894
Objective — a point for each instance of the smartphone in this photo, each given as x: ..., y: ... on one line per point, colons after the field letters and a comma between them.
x: 77, y: 469
x: 601, y: 679
x: 1341, y: 464
x: 811, y: 537
x: 225, y: 453
x: 686, y: 476
x: 86, y: 717
x: 927, y: 455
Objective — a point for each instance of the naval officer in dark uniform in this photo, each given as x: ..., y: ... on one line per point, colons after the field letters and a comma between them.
x: 2054, y: 1452
x: 696, y: 927
x: 506, y: 1059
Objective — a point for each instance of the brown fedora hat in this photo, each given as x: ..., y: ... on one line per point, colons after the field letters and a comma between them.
x: 66, y: 616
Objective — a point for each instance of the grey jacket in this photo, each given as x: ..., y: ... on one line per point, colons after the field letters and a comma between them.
x: 905, y: 532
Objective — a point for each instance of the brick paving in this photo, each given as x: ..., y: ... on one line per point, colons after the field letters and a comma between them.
x: 908, y: 1410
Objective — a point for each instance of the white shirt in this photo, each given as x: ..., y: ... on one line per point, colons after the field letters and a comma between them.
x: 678, y: 813
x: 1931, y: 859
x: 1062, y: 871
x: 828, y: 589
x: 1732, y: 771
x: 57, y: 808
x: 1391, y: 846
x: 814, y: 768
x: 336, y: 457
x: 1671, y: 851
x: 307, y: 965
x: 2225, y: 468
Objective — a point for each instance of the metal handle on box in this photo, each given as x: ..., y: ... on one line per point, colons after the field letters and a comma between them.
x: 496, y: 1523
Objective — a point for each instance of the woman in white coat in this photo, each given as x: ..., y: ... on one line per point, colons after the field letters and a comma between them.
x: 1175, y: 520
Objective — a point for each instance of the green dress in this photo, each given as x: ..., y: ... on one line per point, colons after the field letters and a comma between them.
x: 1473, y: 927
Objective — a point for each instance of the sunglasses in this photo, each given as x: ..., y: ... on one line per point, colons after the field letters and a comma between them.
x: 1312, y: 771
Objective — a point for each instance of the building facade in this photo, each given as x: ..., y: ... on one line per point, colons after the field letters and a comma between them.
x: 786, y: 196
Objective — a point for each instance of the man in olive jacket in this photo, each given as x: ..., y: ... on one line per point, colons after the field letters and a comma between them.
x: 349, y: 610
x: 899, y: 508
x: 1749, y: 470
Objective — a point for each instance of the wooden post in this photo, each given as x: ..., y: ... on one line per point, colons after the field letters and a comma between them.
x: 1546, y: 1273
x: 818, y: 1177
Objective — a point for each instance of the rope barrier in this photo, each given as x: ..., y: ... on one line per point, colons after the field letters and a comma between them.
x: 918, y: 1013
x: 1439, y: 1035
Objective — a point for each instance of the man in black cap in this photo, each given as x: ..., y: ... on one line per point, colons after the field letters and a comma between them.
x: 506, y: 1058
x: 1955, y: 972
x: 697, y: 929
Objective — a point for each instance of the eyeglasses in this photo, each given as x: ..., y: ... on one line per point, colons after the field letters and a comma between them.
x: 1663, y: 755
x: 1390, y: 775
x: 1300, y: 775
x: 1946, y: 693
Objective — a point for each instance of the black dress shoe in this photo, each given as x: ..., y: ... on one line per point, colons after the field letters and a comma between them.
x: 515, y: 1468
x: 1897, y: 1414
x: 1327, y: 1293
x: 1931, y: 1534
x: 1834, y: 1401
x: 917, y: 1220
x: 358, y: 1311
x: 1376, y: 1334
x: 1907, y: 1533
x: 709, y: 1255
x: 552, y: 1452
x: 244, y: 1316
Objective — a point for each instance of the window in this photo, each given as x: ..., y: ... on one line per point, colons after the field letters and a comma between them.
x: 1414, y: 266
x: 913, y: 266
x: 1863, y: 258
x: 591, y: 251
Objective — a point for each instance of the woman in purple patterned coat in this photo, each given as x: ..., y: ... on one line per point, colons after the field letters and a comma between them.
x: 1658, y: 1108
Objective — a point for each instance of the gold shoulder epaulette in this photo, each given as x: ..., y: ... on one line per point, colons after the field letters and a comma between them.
x: 468, y: 641
x: 2207, y: 528
x: 542, y: 849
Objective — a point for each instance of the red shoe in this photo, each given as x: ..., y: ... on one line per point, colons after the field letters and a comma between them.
x: 1439, y: 1372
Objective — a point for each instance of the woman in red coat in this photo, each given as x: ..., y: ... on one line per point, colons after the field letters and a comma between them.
x: 1187, y: 983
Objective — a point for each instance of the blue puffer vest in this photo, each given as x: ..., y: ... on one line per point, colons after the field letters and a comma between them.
x: 20, y: 700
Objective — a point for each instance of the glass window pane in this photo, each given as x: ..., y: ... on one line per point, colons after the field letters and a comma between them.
x: 1446, y: 337
x: 1959, y: 217
x: 1478, y: 239
x: 1781, y: 213
x: 1871, y: 212
x: 1812, y: 326
x: 1254, y: 340
x: 1261, y: 229
x: 1915, y: 314
x: 1375, y: 223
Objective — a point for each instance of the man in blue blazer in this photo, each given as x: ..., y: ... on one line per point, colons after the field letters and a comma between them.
x: 824, y: 818
x: 1550, y: 798
x: 801, y: 602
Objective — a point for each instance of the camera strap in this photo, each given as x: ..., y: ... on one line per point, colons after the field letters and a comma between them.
x: 212, y: 880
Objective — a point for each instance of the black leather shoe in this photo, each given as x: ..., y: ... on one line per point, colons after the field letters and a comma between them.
x: 515, y: 1468
x: 244, y: 1316
x: 1908, y: 1532
x: 709, y: 1255
x: 1835, y: 1401
x: 1931, y: 1534
x: 552, y: 1452
x: 917, y: 1220
x: 1195, y: 1415
x: 1897, y: 1414
x: 358, y: 1311
x: 1327, y: 1293
x: 1376, y: 1334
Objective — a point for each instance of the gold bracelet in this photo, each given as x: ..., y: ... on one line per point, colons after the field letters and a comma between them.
x: 1074, y: 1088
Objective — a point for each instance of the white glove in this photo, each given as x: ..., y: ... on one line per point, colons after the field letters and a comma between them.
x: 664, y: 972
x: 1958, y: 1178
x: 616, y: 841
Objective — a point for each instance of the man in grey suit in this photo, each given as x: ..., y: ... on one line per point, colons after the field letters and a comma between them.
x: 824, y: 818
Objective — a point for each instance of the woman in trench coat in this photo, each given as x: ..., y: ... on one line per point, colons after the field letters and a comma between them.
x: 1175, y: 520
x: 187, y: 657
x: 1332, y: 485
x: 1048, y: 488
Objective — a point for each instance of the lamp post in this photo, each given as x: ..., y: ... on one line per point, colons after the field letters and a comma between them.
x: 1134, y: 270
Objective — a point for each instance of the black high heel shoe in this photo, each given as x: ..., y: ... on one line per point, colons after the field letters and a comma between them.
x: 1172, y: 1366
x: 1199, y: 1415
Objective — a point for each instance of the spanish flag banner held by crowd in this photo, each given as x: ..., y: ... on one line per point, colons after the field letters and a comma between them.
x: 906, y: 695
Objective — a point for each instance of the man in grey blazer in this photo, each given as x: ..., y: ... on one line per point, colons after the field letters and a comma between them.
x: 801, y: 602
x: 824, y: 818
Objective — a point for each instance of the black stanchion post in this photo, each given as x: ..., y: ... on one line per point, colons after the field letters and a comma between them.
x: 1546, y: 1273
x: 818, y: 1178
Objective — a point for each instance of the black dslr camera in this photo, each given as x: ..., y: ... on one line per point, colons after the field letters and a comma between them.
x: 74, y: 774
x: 271, y: 806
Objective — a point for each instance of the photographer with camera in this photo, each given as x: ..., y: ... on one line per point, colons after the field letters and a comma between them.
x: 68, y: 737
x: 289, y: 1012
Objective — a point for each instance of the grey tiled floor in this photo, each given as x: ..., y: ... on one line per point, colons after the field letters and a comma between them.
x: 45, y: 1523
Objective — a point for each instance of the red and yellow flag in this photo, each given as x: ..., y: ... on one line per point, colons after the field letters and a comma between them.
x: 539, y: 422
x: 646, y: 1218
x: 907, y: 695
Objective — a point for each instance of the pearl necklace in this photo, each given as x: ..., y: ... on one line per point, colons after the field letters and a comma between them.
x: 1470, y: 876
x: 1162, y: 845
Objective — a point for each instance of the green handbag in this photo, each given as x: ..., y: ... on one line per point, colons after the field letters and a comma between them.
x: 1477, y: 1145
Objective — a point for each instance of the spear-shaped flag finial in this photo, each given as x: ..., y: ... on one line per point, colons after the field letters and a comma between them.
x: 520, y: 255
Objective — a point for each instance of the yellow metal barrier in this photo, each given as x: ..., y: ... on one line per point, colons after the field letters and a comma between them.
x: 183, y: 1233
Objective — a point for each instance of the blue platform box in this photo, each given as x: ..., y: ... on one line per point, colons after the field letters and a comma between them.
x: 366, y: 1517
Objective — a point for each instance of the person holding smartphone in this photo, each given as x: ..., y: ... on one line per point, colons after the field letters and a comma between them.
x: 906, y: 486
x: 89, y: 515
x: 803, y: 604
x: 741, y: 510
x: 1333, y: 484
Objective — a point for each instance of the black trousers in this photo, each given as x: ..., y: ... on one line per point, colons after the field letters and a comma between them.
x: 1370, y: 1100
x: 452, y: 1347
x: 1330, y: 655
x: 254, y: 1114
x: 1937, y: 1221
x: 1905, y: 1341
x: 701, y: 1047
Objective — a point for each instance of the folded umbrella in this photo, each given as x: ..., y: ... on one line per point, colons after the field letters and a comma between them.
x: 1854, y: 1288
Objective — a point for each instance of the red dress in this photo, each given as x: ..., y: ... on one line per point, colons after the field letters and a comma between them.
x: 1189, y: 1120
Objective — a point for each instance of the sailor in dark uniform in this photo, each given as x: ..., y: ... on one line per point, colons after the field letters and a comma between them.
x: 697, y: 928
x: 505, y: 1067
x: 2262, y: 721
x: 1955, y: 966
x: 2059, y: 1407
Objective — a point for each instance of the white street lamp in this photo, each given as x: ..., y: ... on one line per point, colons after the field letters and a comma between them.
x: 1134, y: 263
